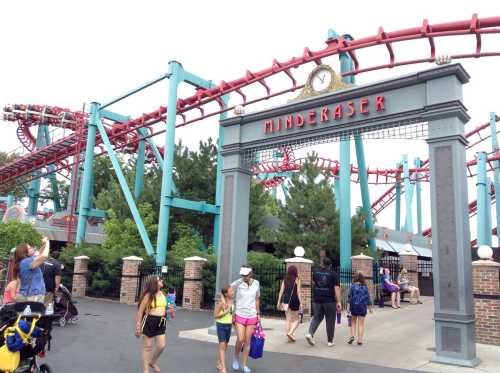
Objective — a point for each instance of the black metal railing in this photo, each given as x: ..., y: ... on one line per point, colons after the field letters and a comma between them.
x: 172, y: 275
x: 103, y: 282
x: 270, y: 277
x: 208, y: 280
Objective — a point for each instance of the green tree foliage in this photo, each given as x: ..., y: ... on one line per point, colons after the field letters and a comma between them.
x: 12, y: 233
x: 5, y: 158
x: 262, y: 205
x: 47, y: 193
x: 310, y: 218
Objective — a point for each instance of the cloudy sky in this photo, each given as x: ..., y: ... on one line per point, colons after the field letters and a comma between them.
x: 69, y: 53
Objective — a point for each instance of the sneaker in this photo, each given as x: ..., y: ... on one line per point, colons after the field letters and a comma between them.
x: 247, y: 370
x: 331, y: 344
x: 310, y: 339
x: 236, y: 365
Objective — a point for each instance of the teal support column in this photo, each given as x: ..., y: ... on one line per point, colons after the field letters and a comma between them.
x: 175, y: 77
x: 85, y: 203
x: 124, y: 186
x: 218, y: 181
x: 365, y: 193
x: 418, y: 194
x: 10, y: 200
x: 345, y: 177
x: 482, y: 200
x: 496, y: 164
x: 488, y: 211
x: 34, y: 187
x: 52, y: 176
x: 336, y: 189
x: 397, y: 224
x: 139, y: 169
x: 408, y: 196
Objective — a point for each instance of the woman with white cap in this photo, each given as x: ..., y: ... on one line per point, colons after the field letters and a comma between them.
x: 247, y: 314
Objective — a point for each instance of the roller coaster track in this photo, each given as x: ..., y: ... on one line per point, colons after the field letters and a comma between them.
x: 198, y: 102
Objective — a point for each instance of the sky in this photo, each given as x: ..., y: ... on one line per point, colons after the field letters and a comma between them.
x: 70, y: 53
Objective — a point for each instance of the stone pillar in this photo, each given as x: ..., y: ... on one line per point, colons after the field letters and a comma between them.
x: 304, y: 269
x: 130, y: 279
x: 80, y: 271
x: 234, y: 216
x: 451, y: 262
x: 486, y: 288
x: 364, y: 264
x: 409, y: 260
x: 193, y: 285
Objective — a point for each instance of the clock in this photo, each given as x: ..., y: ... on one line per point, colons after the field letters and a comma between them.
x: 321, y: 78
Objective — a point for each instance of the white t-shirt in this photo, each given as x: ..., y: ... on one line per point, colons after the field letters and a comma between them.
x: 245, y: 297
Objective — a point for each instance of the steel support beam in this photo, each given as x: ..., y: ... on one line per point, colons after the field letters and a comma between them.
x: 408, y: 196
x: 418, y: 193
x: 496, y: 164
x: 85, y: 203
x: 175, y: 78
x: 34, y: 187
x: 488, y: 211
x: 124, y: 186
x: 397, y: 223
x: 52, y: 176
x: 365, y: 192
x: 139, y: 169
x: 482, y: 200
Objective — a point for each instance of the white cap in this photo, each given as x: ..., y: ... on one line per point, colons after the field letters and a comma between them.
x: 245, y: 271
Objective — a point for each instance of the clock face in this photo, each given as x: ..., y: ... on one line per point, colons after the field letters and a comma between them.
x: 321, y: 80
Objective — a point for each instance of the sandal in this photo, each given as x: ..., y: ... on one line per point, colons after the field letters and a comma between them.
x: 155, y: 368
x: 350, y: 340
x: 360, y: 343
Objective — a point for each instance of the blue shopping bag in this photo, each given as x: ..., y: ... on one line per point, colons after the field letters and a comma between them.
x: 257, y: 343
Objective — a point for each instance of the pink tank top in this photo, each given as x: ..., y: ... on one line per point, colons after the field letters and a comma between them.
x: 7, y: 298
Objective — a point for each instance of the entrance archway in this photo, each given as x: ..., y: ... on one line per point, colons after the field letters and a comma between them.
x: 429, y: 101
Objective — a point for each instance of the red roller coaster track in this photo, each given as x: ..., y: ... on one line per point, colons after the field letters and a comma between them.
x: 123, y: 135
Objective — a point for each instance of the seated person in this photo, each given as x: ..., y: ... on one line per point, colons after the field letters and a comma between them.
x: 389, y: 286
x: 404, y: 284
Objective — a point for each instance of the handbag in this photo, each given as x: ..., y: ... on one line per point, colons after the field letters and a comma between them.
x: 257, y: 342
x: 286, y: 306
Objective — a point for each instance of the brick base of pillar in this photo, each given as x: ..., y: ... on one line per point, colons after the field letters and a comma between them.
x: 193, y: 285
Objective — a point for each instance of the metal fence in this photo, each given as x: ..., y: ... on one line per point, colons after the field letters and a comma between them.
x: 172, y: 275
x: 270, y: 277
x: 425, y: 277
x: 208, y: 280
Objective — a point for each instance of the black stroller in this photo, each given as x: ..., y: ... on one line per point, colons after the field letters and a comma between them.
x: 30, y: 353
x: 65, y: 310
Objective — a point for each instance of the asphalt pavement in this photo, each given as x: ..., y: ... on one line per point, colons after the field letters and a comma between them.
x: 103, y: 341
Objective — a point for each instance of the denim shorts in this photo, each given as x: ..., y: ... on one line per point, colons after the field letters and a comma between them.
x: 224, y: 332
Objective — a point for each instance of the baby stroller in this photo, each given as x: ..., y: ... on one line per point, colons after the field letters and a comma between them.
x: 16, y: 317
x: 64, y: 307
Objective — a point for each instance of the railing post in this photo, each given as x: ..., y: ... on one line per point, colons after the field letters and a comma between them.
x: 304, y: 269
x: 80, y: 271
x: 193, y: 282
x: 130, y: 279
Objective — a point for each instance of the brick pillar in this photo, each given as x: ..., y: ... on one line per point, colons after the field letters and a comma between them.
x: 409, y: 260
x: 80, y: 270
x: 193, y: 285
x: 486, y: 290
x: 364, y: 264
x: 130, y: 279
x: 304, y: 268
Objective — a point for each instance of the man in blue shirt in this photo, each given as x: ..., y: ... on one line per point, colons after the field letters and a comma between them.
x: 327, y: 301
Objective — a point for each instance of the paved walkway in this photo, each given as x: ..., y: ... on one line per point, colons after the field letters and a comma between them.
x: 103, y: 341
x: 400, y: 339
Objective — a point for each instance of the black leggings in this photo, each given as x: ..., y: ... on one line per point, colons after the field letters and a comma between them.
x: 324, y: 310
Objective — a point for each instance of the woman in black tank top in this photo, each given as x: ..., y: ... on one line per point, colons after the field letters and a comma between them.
x: 289, y: 300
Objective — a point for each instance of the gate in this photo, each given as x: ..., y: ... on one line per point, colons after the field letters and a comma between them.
x: 425, y: 278
x: 270, y: 277
x: 173, y: 279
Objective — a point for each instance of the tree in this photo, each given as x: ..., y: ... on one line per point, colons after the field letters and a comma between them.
x: 12, y: 233
x: 17, y: 191
x: 310, y: 218
x: 262, y: 205
x: 47, y: 193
